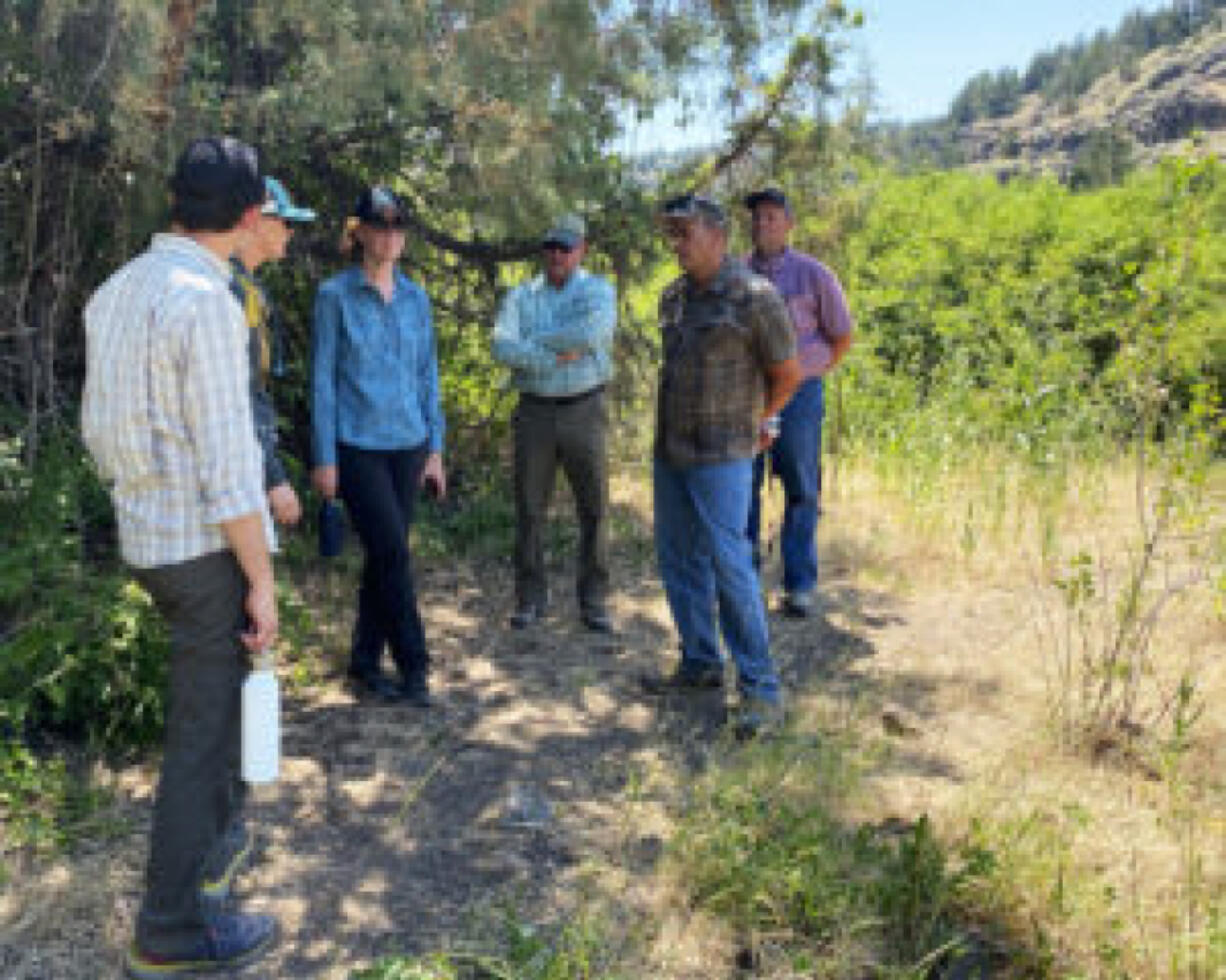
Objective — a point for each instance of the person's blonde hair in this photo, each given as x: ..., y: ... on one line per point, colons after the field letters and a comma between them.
x: 350, y: 247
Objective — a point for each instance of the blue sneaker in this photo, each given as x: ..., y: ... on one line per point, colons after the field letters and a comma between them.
x: 233, y: 852
x: 232, y: 942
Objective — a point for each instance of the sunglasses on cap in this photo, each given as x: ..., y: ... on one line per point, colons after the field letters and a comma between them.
x: 691, y: 205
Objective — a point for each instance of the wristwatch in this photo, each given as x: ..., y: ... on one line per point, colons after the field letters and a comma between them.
x: 770, y: 426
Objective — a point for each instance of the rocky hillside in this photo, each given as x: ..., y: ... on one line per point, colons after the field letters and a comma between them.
x: 1156, y: 106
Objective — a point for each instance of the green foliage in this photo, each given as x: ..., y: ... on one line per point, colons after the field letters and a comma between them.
x: 1000, y: 316
x: 1105, y: 159
x: 574, y: 952
x: 44, y: 805
x: 764, y: 846
x: 82, y: 650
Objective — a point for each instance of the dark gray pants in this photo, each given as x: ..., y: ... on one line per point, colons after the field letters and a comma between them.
x: 570, y: 432
x: 198, y: 794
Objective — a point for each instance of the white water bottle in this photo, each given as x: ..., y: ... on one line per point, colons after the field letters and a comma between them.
x: 261, y: 714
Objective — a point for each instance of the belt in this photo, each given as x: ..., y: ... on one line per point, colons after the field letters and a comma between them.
x: 532, y: 399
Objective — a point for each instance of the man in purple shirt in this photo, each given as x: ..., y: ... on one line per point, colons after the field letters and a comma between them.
x: 823, y: 335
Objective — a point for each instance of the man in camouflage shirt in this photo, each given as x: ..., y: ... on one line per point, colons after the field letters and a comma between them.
x: 729, y: 368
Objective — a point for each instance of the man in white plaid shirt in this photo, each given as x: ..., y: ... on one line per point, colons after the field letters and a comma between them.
x: 166, y: 415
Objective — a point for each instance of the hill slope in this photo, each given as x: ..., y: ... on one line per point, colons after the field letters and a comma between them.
x: 1135, y: 113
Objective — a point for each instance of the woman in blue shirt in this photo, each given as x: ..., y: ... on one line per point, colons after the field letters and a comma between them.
x: 378, y: 433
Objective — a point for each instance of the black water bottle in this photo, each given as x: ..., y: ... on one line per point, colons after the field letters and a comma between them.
x: 331, y: 529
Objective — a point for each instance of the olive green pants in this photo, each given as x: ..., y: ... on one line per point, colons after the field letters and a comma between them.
x: 571, y: 433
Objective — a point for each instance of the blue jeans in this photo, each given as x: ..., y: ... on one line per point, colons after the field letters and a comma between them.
x: 706, y: 563
x: 796, y: 456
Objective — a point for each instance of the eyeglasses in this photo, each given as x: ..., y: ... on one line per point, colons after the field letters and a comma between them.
x: 557, y: 247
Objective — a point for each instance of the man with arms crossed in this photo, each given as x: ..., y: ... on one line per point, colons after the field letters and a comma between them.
x: 823, y: 335
x: 555, y: 333
x: 729, y: 366
x: 166, y: 414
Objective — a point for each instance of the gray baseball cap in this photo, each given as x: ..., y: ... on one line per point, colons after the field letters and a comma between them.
x: 568, y: 230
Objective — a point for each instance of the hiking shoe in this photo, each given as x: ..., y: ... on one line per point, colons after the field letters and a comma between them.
x: 526, y: 615
x: 232, y: 853
x: 597, y: 620
x: 685, y: 679
x: 375, y: 685
x: 756, y: 718
x: 232, y: 942
x: 798, y: 605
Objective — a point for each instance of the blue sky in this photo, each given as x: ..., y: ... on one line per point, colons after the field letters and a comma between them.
x: 921, y: 52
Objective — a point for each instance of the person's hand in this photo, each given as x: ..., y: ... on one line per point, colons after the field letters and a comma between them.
x: 261, y: 606
x: 768, y: 432
x: 324, y: 479
x: 433, y: 477
x: 283, y: 503
x: 569, y: 356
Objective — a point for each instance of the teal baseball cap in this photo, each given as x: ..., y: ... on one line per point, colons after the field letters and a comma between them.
x: 279, y: 204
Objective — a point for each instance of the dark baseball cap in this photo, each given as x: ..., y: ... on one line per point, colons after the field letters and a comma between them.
x: 689, y: 205
x: 218, y: 169
x: 768, y: 195
x: 379, y: 207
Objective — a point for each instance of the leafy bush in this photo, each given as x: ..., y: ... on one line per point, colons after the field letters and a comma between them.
x: 997, y: 316
x: 82, y: 651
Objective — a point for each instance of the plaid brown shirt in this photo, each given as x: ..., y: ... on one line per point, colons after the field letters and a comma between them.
x: 718, y: 343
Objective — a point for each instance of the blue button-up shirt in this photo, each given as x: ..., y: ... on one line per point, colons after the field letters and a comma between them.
x: 375, y: 371
x: 538, y: 322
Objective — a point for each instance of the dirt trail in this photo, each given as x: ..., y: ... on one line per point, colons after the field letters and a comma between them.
x: 395, y: 830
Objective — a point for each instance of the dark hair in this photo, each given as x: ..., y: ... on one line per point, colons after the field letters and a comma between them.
x: 215, y: 180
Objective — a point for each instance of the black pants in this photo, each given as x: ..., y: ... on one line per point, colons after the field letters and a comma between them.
x: 198, y: 793
x: 379, y: 488
x: 570, y: 433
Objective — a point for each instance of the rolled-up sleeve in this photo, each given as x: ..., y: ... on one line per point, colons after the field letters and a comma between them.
x: 323, y: 376
x: 427, y: 382
x: 217, y: 411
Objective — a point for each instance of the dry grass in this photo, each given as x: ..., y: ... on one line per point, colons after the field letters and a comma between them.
x: 1117, y: 855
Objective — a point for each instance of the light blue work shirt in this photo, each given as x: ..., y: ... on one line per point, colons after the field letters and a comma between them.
x: 374, y: 371
x: 538, y: 322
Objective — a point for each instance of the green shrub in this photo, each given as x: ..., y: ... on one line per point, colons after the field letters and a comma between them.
x: 82, y: 651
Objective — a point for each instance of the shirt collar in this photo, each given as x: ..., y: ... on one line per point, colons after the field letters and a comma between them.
x: 360, y: 283
x: 772, y: 265
x: 573, y: 279
x: 171, y: 242
x: 719, y: 282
